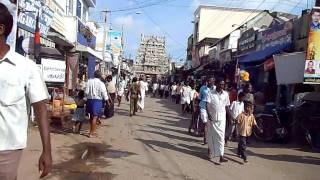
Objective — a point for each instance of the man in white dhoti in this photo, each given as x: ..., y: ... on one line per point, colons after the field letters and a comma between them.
x: 121, y: 90
x: 143, y: 90
x: 217, y: 102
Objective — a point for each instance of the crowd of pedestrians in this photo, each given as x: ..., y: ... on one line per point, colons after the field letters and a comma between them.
x: 219, y: 112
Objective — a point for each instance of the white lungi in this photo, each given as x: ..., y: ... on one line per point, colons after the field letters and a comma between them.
x: 216, y: 133
x: 216, y: 107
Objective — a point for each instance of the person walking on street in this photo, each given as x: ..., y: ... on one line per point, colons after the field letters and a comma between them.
x: 194, y: 124
x: 19, y: 79
x: 143, y: 89
x: 121, y: 90
x: 155, y: 87
x: 134, y: 92
x: 95, y: 92
x: 173, y: 92
x: 217, y: 103
x: 161, y: 90
x: 204, y: 90
x: 192, y: 94
x: 178, y: 93
x: 166, y: 91
x: 111, y: 89
x: 236, y: 108
x: 80, y: 112
x: 185, y: 97
x: 248, y: 96
x: 245, y: 122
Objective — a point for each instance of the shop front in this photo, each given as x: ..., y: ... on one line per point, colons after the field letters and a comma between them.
x: 256, y: 50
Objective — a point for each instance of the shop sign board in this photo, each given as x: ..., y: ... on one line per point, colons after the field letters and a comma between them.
x: 28, y: 13
x: 247, y: 41
x: 85, y: 36
x: 53, y: 70
x: 277, y: 36
x: 312, y: 64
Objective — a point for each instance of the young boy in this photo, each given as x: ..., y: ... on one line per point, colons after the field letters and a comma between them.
x: 236, y: 108
x: 245, y: 121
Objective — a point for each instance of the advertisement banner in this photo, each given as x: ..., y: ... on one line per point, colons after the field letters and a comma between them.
x: 53, y: 70
x: 12, y: 6
x: 114, y: 42
x: 27, y: 16
x: 312, y: 64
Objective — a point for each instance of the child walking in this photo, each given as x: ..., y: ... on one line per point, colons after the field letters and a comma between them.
x: 236, y: 108
x: 79, y: 114
x: 245, y: 122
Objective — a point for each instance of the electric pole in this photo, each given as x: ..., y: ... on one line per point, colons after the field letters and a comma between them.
x: 105, y: 31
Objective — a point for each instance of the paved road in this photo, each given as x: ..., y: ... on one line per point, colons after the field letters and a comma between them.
x: 155, y: 145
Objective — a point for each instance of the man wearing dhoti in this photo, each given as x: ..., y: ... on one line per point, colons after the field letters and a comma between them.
x: 217, y: 102
x: 143, y: 90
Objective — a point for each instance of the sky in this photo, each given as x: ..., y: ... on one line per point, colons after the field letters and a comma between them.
x: 172, y: 18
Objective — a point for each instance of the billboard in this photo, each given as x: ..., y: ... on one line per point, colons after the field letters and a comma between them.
x: 12, y: 6
x: 312, y: 63
x: 114, y: 42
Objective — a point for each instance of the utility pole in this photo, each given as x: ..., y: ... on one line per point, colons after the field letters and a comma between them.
x: 105, y: 31
x: 121, y: 56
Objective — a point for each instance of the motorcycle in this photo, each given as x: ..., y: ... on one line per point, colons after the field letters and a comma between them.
x: 276, y: 124
x: 307, y: 119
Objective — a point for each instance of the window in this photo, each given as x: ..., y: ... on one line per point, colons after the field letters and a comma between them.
x: 79, y: 6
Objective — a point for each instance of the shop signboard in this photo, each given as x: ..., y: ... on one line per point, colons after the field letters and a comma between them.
x: 277, y: 37
x: 85, y: 37
x: 12, y: 6
x: 53, y: 70
x: 312, y: 64
x: 28, y: 13
x: 247, y: 41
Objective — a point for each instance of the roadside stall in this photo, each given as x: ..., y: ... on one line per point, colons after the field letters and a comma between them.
x: 60, y: 106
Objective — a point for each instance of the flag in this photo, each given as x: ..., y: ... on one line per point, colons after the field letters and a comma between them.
x: 37, y: 43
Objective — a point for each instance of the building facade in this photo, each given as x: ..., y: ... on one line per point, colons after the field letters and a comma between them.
x: 151, y: 58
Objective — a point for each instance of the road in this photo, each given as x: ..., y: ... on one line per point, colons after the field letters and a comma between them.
x: 155, y: 145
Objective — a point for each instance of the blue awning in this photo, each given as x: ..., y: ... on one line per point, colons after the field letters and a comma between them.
x: 263, y: 54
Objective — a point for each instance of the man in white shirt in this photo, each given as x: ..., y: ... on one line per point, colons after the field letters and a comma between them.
x: 173, y: 92
x: 19, y: 78
x: 96, y: 92
x: 236, y: 108
x: 121, y: 89
x: 143, y: 89
x: 185, y: 97
x: 111, y: 90
x: 217, y: 104
x: 154, y: 88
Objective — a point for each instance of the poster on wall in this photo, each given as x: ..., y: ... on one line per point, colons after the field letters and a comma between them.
x: 114, y: 42
x: 312, y: 64
x: 53, y: 70
x: 12, y: 6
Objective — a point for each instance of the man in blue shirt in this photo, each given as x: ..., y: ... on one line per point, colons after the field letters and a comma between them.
x: 207, y: 85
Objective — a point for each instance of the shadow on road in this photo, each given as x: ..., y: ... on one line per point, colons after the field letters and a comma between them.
x: 170, y: 136
x: 88, y: 162
x: 193, y: 151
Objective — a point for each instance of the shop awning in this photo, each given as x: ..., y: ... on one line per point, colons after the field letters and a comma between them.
x: 89, y: 50
x: 262, y: 54
x: 59, y: 39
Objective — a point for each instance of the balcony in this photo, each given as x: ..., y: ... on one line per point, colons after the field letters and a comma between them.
x: 91, y: 3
